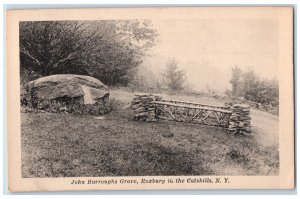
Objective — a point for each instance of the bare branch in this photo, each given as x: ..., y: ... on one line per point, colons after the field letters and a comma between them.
x: 24, y: 51
x: 70, y: 56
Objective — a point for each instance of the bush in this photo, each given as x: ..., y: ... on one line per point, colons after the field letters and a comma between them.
x: 91, y: 109
x: 250, y: 86
x: 65, y: 105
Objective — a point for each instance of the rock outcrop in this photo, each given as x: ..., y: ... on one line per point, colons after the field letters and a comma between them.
x: 86, y: 89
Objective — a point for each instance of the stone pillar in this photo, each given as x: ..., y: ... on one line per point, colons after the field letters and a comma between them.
x: 239, y: 121
x: 144, y: 107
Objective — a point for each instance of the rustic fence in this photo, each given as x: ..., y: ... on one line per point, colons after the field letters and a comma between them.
x: 148, y: 107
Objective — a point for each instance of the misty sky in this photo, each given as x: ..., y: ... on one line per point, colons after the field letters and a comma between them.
x: 208, y: 48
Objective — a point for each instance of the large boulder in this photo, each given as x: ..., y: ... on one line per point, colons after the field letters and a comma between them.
x: 86, y: 89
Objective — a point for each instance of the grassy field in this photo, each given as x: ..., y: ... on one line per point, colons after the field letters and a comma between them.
x: 60, y: 145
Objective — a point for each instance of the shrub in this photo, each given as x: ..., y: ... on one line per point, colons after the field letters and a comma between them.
x: 251, y: 87
x: 66, y: 105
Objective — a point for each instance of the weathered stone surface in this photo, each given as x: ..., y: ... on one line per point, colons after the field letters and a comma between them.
x: 239, y: 121
x: 144, y: 108
x: 67, y: 85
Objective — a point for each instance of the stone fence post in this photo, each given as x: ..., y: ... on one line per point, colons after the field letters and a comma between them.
x: 144, y: 107
x: 239, y: 120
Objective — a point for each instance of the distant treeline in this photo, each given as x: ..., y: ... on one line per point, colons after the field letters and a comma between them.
x: 252, y: 87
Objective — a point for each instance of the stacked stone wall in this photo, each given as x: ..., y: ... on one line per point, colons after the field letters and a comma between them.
x: 144, y: 108
x: 240, y: 120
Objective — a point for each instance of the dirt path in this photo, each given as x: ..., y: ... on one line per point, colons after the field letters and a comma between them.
x: 114, y: 144
x: 265, y: 127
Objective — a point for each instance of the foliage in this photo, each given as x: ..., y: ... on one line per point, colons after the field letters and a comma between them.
x: 209, y: 90
x: 236, y: 81
x: 31, y: 103
x: 110, y: 50
x: 174, y: 78
x: 60, y: 145
x: 249, y: 85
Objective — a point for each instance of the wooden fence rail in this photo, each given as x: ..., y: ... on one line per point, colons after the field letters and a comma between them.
x: 149, y: 107
x: 193, y: 113
x: 194, y: 104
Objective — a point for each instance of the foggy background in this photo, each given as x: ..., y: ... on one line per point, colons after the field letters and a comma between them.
x: 207, y: 49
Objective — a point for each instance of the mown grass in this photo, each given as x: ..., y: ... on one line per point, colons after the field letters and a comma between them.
x: 60, y: 145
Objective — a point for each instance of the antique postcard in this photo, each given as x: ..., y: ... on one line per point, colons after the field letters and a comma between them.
x: 150, y: 98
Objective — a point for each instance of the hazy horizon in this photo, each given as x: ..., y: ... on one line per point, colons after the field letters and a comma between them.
x: 207, y: 49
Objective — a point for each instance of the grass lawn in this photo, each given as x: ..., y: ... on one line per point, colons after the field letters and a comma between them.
x: 61, y: 145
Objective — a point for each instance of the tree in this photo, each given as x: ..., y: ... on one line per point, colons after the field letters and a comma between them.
x: 268, y: 92
x: 249, y: 85
x: 174, y: 78
x: 236, y: 81
x: 110, y: 50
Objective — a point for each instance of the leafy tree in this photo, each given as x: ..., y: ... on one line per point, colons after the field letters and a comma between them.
x: 249, y: 85
x: 110, y: 50
x: 268, y: 92
x: 174, y: 78
x: 236, y: 81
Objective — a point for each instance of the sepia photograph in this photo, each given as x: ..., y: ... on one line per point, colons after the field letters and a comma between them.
x: 193, y: 97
